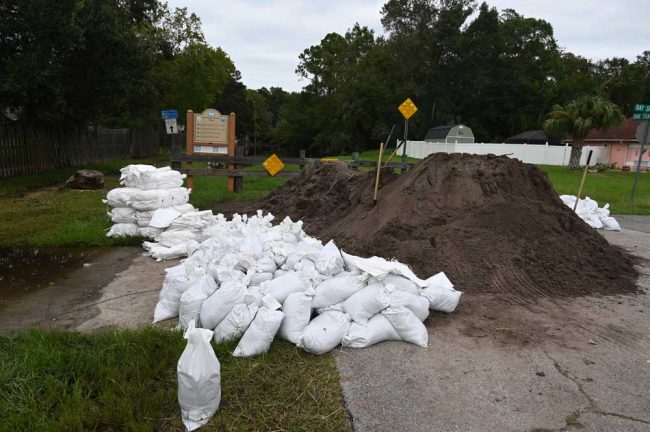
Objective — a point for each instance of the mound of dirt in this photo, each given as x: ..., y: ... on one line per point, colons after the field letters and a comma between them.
x: 493, y: 224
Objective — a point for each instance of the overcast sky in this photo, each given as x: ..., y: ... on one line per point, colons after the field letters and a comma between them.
x: 264, y: 38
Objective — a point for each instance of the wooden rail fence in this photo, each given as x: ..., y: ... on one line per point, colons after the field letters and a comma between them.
x: 25, y: 149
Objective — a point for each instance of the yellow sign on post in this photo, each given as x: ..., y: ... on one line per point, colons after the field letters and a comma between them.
x: 273, y: 165
x: 407, y: 108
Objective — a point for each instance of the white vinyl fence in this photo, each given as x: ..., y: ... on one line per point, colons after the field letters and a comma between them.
x: 528, y: 153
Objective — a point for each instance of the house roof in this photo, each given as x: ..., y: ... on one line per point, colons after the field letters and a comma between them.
x: 626, y: 131
x: 532, y: 137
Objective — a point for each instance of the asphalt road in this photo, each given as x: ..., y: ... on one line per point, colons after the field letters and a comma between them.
x: 636, y: 223
x: 548, y: 365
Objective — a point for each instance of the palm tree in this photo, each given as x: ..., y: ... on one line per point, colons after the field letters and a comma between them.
x: 578, y: 117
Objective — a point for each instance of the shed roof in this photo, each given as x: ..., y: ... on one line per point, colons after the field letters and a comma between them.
x: 438, y: 132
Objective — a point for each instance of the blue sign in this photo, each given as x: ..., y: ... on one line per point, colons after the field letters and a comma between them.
x: 169, y: 114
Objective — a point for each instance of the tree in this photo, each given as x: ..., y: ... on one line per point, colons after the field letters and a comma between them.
x: 580, y: 116
x: 194, y: 78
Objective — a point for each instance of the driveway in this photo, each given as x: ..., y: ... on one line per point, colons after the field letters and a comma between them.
x: 543, y: 365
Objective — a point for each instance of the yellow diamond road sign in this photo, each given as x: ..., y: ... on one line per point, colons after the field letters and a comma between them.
x: 407, y: 108
x: 273, y: 165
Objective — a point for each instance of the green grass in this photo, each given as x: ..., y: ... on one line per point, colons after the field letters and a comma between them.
x: 37, y: 209
x: 611, y: 186
x: 126, y: 380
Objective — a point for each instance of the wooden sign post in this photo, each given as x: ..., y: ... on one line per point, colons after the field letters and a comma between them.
x: 211, y: 133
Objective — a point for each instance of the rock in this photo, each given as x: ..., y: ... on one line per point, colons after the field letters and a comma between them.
x: 86, y: 179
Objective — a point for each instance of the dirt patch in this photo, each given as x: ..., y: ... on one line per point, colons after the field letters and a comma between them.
x: 493, y: 224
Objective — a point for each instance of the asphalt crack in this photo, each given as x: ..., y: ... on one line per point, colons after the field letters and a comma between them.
x: 593, y: 405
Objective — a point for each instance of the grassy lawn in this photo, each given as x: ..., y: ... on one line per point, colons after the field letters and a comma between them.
x: 37, y: 210
x: 126, y: 380
x: 610, y: 186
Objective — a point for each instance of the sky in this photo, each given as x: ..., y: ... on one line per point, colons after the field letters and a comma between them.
x: 265, y: 38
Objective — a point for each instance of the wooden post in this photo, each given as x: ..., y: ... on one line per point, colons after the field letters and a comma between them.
x: 189, y: 149
x: 381, y: 153
x: 231, y: 149
x: 582, y: 182
x: 239, y: 181
x: 302, y: 156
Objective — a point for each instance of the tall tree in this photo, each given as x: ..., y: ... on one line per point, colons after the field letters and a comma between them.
x: 578, y: 117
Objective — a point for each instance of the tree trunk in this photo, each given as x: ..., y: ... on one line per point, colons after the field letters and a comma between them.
x: 576, y: 154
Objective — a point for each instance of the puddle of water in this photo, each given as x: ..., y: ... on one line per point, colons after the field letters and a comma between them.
x: 28, y: 269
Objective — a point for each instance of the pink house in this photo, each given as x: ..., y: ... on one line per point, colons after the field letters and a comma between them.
x: 623, y: 145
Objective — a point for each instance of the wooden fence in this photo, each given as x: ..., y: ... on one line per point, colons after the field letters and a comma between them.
x: 25, y: 149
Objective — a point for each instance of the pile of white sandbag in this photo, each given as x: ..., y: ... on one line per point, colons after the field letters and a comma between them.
x: 590, y: 213
x: 148, y: 191
x: 246, y: 278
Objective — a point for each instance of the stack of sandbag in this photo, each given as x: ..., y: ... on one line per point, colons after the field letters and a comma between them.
x: 250, y: 280
x: 146, y: 190
x: 589, y: 212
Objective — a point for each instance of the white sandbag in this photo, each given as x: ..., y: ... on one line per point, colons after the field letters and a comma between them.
x: 149, y: 232
x: 216, y: 307
x: 158, y: 198
x: 266, y: 264
x: 175, y: 284
x: 120, y: 197
x: 259, y: 278
x: 123, y: 230
x: 407, y: 325
x: 252, y: 246
x: 122, y: 215
x: 379, y: 267
x: 378, y: 329
x: 329, y: 260
x: 253, y: 296
x: 235, y: 323
x: 442, y: 299
x: 336, y: 307
x: 367, y: 302
x: 199, y: 378
x: 297, y: 313
x: 163, y: 217
x: 336, y: 290
x: 144, y: 217
x: 260, y: 333
x: 418, y: 304
x: 291, y: 262
x: 193, y: 298
x: 306, y: 266
x: 401, y: 283
x: 134, y: 171
x: 610, y: 224
x: 308, y: 247
x: 439, y: 280
x: 161, y: 253
x: 284, y: 285
x: 158, y: 178
x: 171, y: 237
x: 324, y: 332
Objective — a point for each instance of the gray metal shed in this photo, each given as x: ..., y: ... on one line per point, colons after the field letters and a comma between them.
x: 450, y: 134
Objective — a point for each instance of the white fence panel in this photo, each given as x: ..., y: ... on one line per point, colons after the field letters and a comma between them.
x: 528, y: 153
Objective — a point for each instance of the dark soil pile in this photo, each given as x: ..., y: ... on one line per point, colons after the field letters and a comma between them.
x: 493, y: 224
